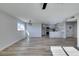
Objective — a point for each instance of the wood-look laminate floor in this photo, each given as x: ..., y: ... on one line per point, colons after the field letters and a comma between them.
x: 36, y: 47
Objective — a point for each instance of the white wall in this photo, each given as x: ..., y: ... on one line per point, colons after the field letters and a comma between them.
x: 8, y: 30
x: 75, y: 30
x: 62, y: 29
x: 34, y: 30
x: 78, y: 33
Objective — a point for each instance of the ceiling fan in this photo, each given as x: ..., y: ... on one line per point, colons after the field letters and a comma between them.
x: 44, y: 6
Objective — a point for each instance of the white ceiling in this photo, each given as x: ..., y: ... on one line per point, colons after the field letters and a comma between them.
x: 53, y: 13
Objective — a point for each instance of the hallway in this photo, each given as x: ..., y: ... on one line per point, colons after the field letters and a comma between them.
x: 36, y: 47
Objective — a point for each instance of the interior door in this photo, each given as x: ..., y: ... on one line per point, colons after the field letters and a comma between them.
x: 69, y: 28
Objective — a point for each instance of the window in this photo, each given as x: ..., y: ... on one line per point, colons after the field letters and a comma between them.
x: 20, y: 27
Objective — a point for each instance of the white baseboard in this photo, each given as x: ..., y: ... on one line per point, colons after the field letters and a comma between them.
x: 57, y: 38
x: 1, y: 49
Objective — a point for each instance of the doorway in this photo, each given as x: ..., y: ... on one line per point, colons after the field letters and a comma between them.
x: 71, y: 29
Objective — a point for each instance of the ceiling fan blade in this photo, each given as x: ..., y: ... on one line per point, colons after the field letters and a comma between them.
x: 44, y: 6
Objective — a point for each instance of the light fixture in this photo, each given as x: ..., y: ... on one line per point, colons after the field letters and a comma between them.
x: 30, y: 22
x: 44, y: 6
